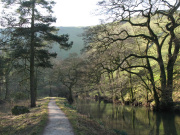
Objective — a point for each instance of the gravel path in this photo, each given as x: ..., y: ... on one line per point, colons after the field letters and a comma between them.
x: 58, y: 123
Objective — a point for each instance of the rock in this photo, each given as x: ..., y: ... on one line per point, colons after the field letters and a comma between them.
x: 17, y: 110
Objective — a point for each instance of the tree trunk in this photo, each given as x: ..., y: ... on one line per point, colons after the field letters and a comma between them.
x: 0, y: 89
x: 35, y: 84
x: 166, y: 96
x: 7, y: 87
x: 70, y: 98
x: 122, y: 98
x: 147, y: 97
x: 167, y: 101
x: 131, y: 89
x: 113, y: 88
x: 32, y: 85
x: 50, y: 91
x: 155, y: 94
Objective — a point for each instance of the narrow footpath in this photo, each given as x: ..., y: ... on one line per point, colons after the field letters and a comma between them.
x: 58, y: 123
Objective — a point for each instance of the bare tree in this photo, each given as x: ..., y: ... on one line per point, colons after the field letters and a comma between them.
x: 68, y: 74
x: 156, y: 23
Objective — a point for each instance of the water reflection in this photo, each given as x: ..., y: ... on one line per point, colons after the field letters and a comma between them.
x: 131, y: 120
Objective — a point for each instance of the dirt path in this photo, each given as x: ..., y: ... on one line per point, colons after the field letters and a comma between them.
x: 58, y: 123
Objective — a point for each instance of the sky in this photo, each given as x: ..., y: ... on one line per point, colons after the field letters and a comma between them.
x: 76, y: 12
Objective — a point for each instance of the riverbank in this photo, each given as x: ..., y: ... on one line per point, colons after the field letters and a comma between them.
x: 150, y: 104
x: 31, y: 123
x: 125, y: 120
x: 82, y: 124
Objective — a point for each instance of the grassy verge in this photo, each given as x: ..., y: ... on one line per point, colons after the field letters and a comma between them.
x: 31, y: 123
x: 82, y: 124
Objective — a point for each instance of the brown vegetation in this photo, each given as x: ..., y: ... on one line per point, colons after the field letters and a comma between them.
x: 29, y: 123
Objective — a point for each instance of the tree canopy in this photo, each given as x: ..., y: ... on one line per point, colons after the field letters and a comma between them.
x: 32, y: 35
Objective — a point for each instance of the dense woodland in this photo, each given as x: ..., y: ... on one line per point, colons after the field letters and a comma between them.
x: 132, y: 60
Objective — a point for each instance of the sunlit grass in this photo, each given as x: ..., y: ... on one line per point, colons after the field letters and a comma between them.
x: 82, y: 124
x: 25, y: 124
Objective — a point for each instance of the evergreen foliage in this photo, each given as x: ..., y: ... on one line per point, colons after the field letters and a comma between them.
x: 32, y: 35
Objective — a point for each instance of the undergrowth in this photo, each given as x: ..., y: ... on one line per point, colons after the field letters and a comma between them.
x: 82, y: 124
x: 31, y: 123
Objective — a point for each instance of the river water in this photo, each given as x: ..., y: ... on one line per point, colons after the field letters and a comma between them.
x: 128, y: 120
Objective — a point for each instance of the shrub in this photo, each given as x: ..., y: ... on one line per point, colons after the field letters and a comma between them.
x: 17, y: 110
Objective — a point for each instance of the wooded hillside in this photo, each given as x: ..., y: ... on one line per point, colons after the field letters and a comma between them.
x: 74, y: 36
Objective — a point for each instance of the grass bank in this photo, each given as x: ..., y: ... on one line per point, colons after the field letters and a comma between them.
x: 31, y: 123
x: 82, y: 124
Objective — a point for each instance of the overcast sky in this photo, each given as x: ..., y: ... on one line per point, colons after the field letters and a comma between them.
x: 76, y: 12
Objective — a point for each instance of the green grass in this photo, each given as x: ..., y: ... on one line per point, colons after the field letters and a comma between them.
x: 82, y: 124
x: 31, y: 123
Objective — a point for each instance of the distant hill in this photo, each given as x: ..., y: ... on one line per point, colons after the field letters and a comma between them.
x: 74, y: 35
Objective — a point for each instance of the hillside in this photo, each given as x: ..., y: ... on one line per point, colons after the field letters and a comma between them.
x: 131, y: 67
x: 74, y: 35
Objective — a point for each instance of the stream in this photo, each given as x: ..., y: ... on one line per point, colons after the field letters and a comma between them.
x: 129, y: 120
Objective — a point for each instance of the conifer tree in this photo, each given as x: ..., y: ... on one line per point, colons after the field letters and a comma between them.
x: 32, y: 34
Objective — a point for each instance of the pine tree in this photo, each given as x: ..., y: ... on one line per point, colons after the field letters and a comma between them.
x: 32, y: 34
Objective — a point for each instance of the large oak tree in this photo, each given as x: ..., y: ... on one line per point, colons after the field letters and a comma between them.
x: 156, y: 22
